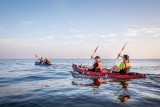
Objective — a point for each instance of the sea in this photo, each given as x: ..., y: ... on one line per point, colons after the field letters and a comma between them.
x: 24, y: 84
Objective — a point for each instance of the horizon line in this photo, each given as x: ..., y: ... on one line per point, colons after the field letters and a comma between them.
x: 75, y: 58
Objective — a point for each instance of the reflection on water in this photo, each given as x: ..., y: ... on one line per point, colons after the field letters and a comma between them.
x: 97, y: 83
x: 122, y: 94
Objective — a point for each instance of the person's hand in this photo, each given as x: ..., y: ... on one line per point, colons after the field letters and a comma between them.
x: 119, y: 55
x: 92, y: 57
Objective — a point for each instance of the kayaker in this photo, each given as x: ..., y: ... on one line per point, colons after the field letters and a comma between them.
x: 41, y: 60
x: 47, y: 61
x: 124, y: 67
x: 97, y: 65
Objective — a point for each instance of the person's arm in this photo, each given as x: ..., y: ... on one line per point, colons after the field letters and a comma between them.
x: 94, y: 65
x: 115, y: 69
x: 119, y: 55
x: 92, y: 57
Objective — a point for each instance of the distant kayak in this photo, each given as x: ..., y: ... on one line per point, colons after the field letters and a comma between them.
x: 84, y: 71
x: 39, y: 63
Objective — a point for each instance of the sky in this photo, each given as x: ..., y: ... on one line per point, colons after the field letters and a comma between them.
x: 72, y: 29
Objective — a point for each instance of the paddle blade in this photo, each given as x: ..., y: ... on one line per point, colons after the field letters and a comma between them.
x: 124, y: 46
x: 37, y: 56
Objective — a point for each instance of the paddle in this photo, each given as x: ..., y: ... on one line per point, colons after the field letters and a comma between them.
x: 37, y: 56
x: 92, y: 54
x: 120, y: 53
x: 94, y: 51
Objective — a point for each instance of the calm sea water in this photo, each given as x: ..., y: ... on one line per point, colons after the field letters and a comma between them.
x: 23, y: 84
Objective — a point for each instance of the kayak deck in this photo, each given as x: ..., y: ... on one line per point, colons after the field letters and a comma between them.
x: 84, y: 71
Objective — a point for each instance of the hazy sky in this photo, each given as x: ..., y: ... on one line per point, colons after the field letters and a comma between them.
x: 74, y: 28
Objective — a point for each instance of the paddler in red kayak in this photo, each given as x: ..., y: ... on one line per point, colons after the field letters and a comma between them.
x: 96, y: 67
x: 124, y: 67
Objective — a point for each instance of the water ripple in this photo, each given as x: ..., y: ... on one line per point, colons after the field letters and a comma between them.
x: 24, y: 84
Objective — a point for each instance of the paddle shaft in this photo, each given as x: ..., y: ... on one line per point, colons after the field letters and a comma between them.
x: 94, y: 52
x: 120, y: 53
x: 37, y: 56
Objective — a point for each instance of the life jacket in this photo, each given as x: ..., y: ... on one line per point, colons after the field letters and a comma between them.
x: 97, y: 67
x: 123, y: 68
x: 99, y: 64
x: 103, y: 70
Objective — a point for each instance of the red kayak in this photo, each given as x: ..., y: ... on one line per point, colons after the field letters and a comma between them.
x: 85, y: 71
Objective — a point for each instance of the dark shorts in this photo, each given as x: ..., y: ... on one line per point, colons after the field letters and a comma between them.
x: 123, y: 71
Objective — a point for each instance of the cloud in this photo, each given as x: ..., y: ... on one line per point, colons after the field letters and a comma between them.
x: 111, y: 37
x: 48, y: 41
x: 80, y: 36
x: 112, y: 34
x: 74, y: 30
x: 72, y: 43
x: 156, y: 35
x: 131, y: 32
x: 50, y: 37
x: 27, y: 22
x: 155, y: 32
x: 82, y: 21
x: 134, y: 34
x: 27, y: 42
x: 150, y: 31
x: 65, y: 37
x: 112, y: 40
x: 20, y: 42
x: 96, y: 36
